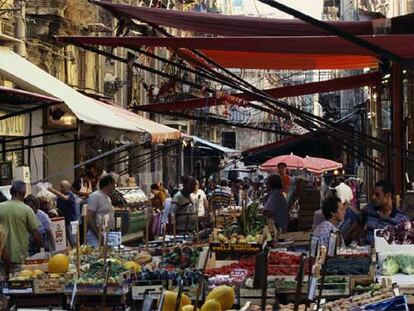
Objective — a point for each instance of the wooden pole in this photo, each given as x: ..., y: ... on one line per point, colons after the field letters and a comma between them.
x: 147, y: 227
x: 201, y: 279
x: 244, y: 203
x: 78, y: 250
x: 85, y: 222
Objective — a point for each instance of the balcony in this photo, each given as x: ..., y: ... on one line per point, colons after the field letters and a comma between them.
x: 46, y: 7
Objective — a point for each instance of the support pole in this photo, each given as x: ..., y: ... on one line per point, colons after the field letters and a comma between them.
x: 397, y: 127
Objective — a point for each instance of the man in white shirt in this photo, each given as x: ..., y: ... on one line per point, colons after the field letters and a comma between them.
x: 99, y: 209
x: 344, y: 192
x: 200, y: 200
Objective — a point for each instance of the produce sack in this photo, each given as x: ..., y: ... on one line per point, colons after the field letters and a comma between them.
x: 390, y: 266
x: 42, y: 191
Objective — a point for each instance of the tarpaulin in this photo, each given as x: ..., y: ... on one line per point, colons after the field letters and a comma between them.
x: 369, y: 79
x: 271, y: 52
x: 229, y: 25
x: 402, y: 45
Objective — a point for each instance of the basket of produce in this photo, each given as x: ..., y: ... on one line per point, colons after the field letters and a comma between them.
x: 356, y: 301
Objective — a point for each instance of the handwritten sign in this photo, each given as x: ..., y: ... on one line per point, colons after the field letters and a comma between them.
x: 239, y: 275
x: 236, y: 248
x: 114, y: 238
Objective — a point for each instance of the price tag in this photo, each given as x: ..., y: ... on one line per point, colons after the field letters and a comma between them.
x: 114, y: 238
x: 239, y: 275
x: 74, y: 226
x: 332, y: 245
x: 312, y: 288
x: 314, y: 246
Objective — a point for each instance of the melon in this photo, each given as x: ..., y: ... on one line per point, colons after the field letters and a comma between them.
x: 224, y: 295
x: 132, y: 265
x: 211, y: 305
x: 188, y: 308
x: 58, y: 264
x: 170, y: 298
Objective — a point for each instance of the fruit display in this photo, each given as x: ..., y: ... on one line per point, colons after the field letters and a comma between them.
x: 346, y: 304
x: 26, y: 275
x: 237, y: 238
x: 184, y: 257
x: 189, y: 276
x: 211, y: 305
x: 255, y: 222
x: 348, y: 265
x: 58, y: 264
x: 244, y: 263
x: 224, y: 295
x: 373, y: 287
x: 170, y: 299
x: 95, y: 273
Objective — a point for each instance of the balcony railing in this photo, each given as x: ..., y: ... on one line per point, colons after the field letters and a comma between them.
x: 46, y: 7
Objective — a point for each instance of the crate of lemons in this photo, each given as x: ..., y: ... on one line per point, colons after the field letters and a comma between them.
x: 51, y: 281
x: 220, y: 298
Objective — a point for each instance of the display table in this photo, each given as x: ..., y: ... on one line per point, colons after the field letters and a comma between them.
x: 37, y: 300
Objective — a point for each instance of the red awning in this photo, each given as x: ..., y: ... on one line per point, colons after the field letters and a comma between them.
x: 271, y: 52
x: 229, y: 25
x: 370, y: 79
x: 402, y: 45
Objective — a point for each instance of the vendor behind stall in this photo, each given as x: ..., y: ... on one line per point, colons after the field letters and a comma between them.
x: 182, y: 208
x: 99, y: 205
x: 275, y: 206
x: 334, y: 212
x: 382, y: 211
x: 66, y: 205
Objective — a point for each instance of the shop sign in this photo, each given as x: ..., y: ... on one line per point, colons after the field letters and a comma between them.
x: 13, y: 126
x: 236, y: 248
x: 59, y: 233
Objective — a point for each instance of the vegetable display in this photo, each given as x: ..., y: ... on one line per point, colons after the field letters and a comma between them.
x: 406, y: 263
x: 255, y: 222
x: 390, y: 266
x: 346, y: 304
x: 348, y: 265
x: 393, y: 264
x: 402, y: 233
x: 182, y: 257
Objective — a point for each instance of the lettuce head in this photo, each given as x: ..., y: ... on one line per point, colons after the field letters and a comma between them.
x: 390, y: 266
x: 406, y: 263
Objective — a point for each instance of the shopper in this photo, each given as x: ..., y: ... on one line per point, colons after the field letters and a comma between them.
x: 45, y: 229
x: 183, y: 215
x: 283, y: 172
x: 19, y: 221
x: 221, y: 196
x: 382, y: 211
x: 66, y: 205
x: 334, y: 212
x: 275, y: 206
x: 99, y: 209
x: 158, y: 196
x: 200, y: 200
